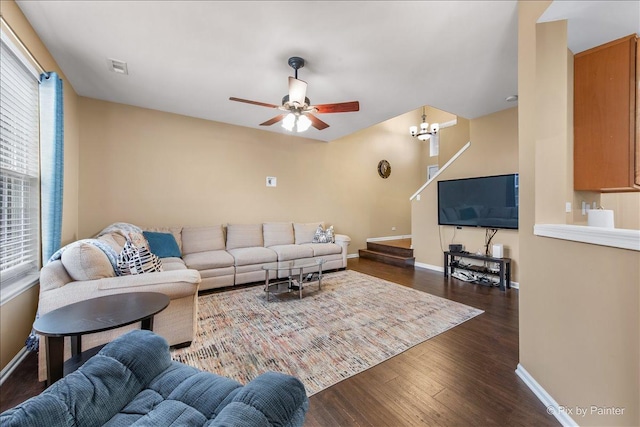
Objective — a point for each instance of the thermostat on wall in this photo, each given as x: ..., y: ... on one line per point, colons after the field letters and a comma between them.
x: 271, y: 181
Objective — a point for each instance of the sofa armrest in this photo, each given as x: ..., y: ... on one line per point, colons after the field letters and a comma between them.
x: 144, y: 353
x: 175, y: 284
x: 172, y: 277
x: 342, y: 239
x: 100, y: 388
x: 269, y: 399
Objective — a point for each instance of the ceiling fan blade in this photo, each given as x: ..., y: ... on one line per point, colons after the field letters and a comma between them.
x: 274, y: 120
x: 341, y: 107
x: 246, y: 101
x: 316, y: 122
x: 297, y: 90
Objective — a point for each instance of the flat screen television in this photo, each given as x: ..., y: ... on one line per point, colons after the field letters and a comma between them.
x: 487, y: 201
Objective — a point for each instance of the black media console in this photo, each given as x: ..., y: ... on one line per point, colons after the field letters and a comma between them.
x: 504, y: 272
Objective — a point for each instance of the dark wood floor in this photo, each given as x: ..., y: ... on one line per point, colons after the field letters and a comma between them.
x: 462, y: 377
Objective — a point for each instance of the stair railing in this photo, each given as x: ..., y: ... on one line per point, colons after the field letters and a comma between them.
x: 445, y: 166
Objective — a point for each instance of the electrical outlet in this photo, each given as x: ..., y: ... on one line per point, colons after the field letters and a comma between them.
x: 567, y: 207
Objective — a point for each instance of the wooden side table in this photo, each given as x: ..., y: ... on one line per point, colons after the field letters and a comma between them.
x: 90, y: 316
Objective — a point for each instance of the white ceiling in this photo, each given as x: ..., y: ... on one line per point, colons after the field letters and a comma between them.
x: 592, y: 23
x: 189, y: 57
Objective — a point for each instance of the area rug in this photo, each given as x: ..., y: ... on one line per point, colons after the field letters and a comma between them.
x: 355, y: 322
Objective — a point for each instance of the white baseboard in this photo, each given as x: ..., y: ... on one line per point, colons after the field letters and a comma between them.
x: 429, y: 267
x: 13, y: 364
x: 382, y: 239
x: 552, y: 406
x: 353, y: 256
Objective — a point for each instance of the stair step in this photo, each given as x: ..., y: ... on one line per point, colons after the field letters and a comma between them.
x: 390, y: 248
x: 387, y: 258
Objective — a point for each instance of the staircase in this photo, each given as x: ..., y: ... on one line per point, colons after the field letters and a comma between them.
x: 394, y: 252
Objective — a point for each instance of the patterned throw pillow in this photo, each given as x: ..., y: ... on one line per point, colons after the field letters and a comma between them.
x: 323, y: 236
x: 330, y: 236
x: 135, y: 260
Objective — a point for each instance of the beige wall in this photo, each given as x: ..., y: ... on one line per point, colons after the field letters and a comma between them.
x: 579, y: 303
x: 18, y: 314
x: 493, y: 151
x: 152, y: 168
x: 452, y: 139
x: 625, y: 207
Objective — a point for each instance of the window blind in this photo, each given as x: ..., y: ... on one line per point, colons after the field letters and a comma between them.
x: 19, y: 169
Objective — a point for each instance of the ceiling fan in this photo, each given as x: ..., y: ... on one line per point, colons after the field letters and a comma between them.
x: 297, y: 107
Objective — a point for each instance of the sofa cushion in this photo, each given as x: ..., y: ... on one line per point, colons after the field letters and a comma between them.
x: 209, y: 259
x: 277, y: 233
x: 304, y: 232
x: 173, y: 263
x: 84, y: 261
x: 163, y: 245
x: 148, y: 408
x: 254, y: 255
x: 202, y: 239
x: 289, y: 252
x: 244, y: 236
x: 321, y: 249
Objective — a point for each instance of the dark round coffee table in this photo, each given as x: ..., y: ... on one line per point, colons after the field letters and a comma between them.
x: 90, y: 316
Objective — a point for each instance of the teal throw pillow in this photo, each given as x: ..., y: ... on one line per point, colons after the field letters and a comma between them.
x: 163, y: 245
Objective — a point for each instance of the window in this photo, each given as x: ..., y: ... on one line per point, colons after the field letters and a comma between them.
x: 19, y: 171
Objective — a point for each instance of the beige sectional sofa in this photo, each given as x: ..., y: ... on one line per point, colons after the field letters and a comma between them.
x: 235, y: 254
x: 211, y: 257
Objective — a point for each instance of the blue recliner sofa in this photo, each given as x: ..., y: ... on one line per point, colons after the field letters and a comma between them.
x: 133, y: 381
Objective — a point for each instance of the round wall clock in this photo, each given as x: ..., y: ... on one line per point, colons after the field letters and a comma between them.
x: 384, y: 169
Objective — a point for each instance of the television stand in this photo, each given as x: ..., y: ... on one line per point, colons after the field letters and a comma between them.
x: 504, y: 271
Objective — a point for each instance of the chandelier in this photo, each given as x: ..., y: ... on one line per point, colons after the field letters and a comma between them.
x: 425, y: 131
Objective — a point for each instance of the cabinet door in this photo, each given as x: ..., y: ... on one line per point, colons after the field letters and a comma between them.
x: 605, y: 117
x: 637, y: 144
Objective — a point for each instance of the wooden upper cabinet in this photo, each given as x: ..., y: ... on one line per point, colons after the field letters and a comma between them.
x: 606, y: 152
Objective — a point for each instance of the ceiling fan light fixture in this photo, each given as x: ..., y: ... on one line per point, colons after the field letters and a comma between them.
x: 297, y: 110
x: 289, y: 122
x: 303, y: 123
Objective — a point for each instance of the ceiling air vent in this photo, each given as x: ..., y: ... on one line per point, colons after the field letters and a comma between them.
x: 116, y: 66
